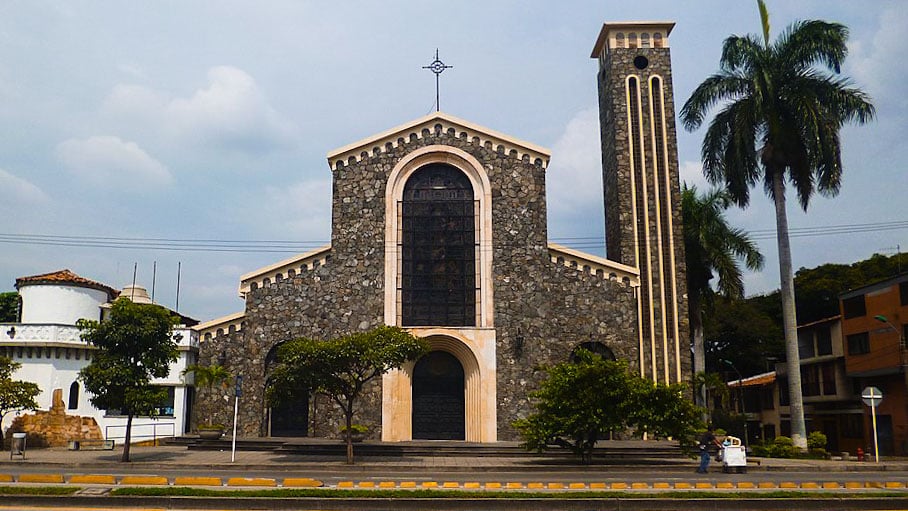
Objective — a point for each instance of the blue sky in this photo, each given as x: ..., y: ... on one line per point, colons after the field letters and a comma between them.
x: 210, y: 120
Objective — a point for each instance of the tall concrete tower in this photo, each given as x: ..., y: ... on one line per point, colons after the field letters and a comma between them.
x: 642, y: 193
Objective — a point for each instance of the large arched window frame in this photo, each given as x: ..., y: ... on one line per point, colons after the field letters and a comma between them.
x: 397, y: 180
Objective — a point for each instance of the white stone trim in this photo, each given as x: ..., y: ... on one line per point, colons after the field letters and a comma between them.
x: 482, y: 191
x: 390, y: 139
x: 608, y: 31
x: 591, y: 264
x: 281, y: 269
x: 220, y: 325
x: 657, y: 168
x: 474, y: 348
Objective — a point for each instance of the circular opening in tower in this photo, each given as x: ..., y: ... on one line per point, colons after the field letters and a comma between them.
x: 640, y: 62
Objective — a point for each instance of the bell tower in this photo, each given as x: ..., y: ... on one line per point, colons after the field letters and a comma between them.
x: 641, y: 186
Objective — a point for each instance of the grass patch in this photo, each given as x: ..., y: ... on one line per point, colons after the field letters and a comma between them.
x: 38, y: 490
x: 329, y: 493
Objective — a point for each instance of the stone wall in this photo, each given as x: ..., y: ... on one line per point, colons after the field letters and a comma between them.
x: 55, y: 427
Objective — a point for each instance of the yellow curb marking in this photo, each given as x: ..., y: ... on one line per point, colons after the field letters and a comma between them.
x: 701, y: 486
x: 145, y: 480
x: 598, y: 486
x: 515, y: 486
x: 746, y: 484
x: 853, y: 484
x: 577, y: 486
x: 725, y: 485
x: 661, y: 486
x: 430, y: 484
x: 302, y: 482
x: 471, y: 485
x: 251, y: 481
x: 6, y: 478
x: 387, y: 484
x: 619, y: 486
x: 787, y: 484
x: 408, y: 484
x: 41, y: 478
x: 639, y: 486
x: 873, y: 484
x: 92, y: 479
x: 809, y: 485
x: 493, y: 486
x: 683, y: 486
x: 556, y: 486
x: 895, y: 484
x: 345, y: 484
x: 535, y: 486
x: 830, y: 485
x: 766, y: 484
x: 450, y: 484
x: 194, y: 481
x: 367, y: 484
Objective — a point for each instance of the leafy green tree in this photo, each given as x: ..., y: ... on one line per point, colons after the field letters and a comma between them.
x: 581, y: 401
x: 15, y: 395
x: 9, y: 307
x: 779, y: 122
x: 712, y: 249
x: 740, y: 332
x: 134, y: 346
x: 340, y: 368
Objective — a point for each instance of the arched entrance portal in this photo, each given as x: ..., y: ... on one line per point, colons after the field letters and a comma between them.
x: 438, y: 398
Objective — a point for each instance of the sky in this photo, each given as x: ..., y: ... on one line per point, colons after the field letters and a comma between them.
x: 207, y: 123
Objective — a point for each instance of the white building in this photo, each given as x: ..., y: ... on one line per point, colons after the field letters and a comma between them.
x: 46, y: 342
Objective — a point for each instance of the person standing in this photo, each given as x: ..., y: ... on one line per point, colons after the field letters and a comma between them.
x: 707, y: 442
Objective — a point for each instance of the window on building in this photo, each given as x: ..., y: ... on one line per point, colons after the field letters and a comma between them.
x: 783, y: 392
x: 619, y: 40
x: 824, y: 341
x: 767, y: 399
x: 438, y: 248
x: 805, y: 344
x: 166, y: 409
x: 657, y: 40
x: 903, y: 293
x: 644, y: 40
x: 828, y: 379
x: 858, y: 344
x: 785, y: 428
x: 854, y: 307
x: 632, y: 40
x: 73, y: 396
x: 810, y: 380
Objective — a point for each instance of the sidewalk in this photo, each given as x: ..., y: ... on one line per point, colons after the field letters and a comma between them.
x: 179, y: 457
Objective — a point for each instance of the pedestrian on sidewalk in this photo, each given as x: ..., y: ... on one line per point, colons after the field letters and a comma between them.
x: 707, y: 442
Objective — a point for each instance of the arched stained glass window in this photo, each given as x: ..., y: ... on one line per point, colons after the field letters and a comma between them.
x: 438, y: 248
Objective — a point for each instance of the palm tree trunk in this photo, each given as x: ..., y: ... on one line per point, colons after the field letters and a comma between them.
x: 789, y: 317
x: 699, y: 345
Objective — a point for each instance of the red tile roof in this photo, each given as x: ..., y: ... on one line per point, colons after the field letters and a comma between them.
x: 65, y: 277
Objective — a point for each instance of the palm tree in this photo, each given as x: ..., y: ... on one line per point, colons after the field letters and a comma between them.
x: 712, y: 249
x: 779, y: 123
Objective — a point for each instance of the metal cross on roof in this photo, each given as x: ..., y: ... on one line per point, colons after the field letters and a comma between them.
x: 437, y: 67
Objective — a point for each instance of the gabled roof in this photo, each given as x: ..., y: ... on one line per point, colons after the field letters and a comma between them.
x: 65, y: 277
x: 426, y: 126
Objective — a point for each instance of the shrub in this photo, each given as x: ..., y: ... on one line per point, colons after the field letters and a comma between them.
x: 816, y: 440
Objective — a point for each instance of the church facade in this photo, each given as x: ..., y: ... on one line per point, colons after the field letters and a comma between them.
x: 439, y: 226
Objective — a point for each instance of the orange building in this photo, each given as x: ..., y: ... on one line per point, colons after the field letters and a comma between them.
x: 874, y: 321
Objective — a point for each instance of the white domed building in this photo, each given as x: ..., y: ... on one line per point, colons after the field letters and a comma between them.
x: 46, y: 341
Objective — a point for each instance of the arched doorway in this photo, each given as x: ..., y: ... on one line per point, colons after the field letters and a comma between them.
x: 596, y: 348
x: 291, y: 417
x: 438, y: 398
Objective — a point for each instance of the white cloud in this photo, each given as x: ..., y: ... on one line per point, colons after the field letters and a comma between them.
x: 878, y: 64
x: 18, y: 190
x: 691, y: 172
x: 297, y: 211
x: 574, y: 179
x: 108, y: 160
x: 230, y: 112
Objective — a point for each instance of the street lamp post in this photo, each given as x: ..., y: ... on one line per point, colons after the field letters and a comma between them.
x: 740, y: 386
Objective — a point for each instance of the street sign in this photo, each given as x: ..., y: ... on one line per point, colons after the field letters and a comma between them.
x: 871, y: 396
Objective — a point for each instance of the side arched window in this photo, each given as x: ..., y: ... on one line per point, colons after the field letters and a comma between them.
x: 597, y: 348
x: 73, y: 396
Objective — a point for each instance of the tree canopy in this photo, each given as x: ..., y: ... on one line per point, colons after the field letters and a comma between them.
x: 582, y: 401
x: 9, y: 307
x: 340, y: 368
x: 15, y: 395
x: 134, y: 346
